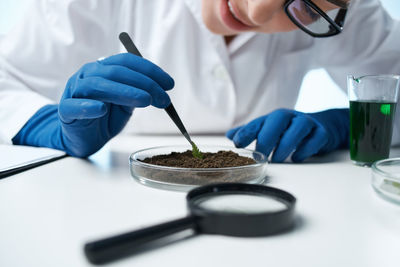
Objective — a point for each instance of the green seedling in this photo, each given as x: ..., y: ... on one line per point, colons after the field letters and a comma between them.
x: 396, y: 184
x: 196, y: 152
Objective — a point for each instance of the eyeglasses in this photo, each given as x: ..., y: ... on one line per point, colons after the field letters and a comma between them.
x: 312, y: 20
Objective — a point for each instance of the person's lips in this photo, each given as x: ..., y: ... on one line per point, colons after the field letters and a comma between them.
x: 232, y: 11
x: 231, y: 18
x: 237, y: 15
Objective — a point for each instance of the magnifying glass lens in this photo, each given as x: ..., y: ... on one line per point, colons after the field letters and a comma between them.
x: 241, y: 209
x: 240, y: 203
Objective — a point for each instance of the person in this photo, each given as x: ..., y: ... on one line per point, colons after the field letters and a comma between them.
x: 235, y: 67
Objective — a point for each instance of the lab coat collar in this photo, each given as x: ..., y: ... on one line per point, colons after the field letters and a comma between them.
x: 239, y: 41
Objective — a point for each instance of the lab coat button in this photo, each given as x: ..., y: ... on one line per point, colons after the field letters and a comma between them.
x: 220, y: 72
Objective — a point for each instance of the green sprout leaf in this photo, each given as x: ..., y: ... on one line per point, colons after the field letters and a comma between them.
x: 196, y: 152
x: 396, y: 184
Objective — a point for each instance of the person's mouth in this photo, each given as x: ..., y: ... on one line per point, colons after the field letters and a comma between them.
x: 231, y: 17
x: 231, y: 10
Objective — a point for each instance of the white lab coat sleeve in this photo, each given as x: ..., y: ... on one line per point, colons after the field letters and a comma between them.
x: 369, y: 44
x: 43, y: 50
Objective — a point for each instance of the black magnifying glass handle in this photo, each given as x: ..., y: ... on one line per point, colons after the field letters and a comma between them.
x: 116, y: 247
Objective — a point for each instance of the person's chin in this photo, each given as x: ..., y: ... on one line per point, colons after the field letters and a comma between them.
x: 218, y: 28
x: 223, y: 33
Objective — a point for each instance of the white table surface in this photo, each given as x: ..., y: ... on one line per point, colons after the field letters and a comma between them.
x: 48, y: 213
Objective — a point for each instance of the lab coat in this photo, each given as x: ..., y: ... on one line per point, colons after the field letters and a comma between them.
x: 217, y: 86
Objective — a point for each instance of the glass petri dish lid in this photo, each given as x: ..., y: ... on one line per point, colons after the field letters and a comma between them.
x: 386, y: 179
x: 184, y: 179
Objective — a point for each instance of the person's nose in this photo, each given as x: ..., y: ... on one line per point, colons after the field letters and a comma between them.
x: 260, y: 11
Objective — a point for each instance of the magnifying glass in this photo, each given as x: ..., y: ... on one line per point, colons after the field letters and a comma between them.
x: 231, y: 209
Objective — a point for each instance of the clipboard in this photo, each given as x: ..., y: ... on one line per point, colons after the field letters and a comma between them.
x: 16, y: 159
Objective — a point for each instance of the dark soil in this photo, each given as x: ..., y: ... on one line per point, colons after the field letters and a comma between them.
x: 221, y: 159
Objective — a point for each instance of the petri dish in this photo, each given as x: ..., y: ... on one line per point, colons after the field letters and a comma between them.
x: 386, y: 179
x: 184, y: 179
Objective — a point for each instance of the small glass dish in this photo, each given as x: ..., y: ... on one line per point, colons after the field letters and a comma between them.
x: 386, y: 179
x: 184, y: 179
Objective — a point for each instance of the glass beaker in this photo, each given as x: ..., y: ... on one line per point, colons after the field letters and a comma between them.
x: 373, y: 100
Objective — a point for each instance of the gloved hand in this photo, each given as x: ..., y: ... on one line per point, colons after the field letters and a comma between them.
x: 285, y: 131
x: 97, y: 103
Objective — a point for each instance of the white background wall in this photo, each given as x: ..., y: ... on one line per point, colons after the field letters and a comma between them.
x: 13, y: 10
x: 331, y: 96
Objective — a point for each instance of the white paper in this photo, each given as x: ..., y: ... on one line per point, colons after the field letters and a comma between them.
x: 12, y: 156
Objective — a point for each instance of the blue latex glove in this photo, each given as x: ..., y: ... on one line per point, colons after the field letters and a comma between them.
x: 285, y: 131
x: 97, y: 103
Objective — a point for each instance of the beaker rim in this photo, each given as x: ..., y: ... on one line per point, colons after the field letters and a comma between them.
x: 380, y: 76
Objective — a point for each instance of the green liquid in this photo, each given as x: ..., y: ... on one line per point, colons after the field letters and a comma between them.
x: 371, y: 125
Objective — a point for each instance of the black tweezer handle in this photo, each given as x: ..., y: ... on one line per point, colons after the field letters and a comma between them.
x: 175, y: 117
x: 131, y: 48
x: 128, y: 43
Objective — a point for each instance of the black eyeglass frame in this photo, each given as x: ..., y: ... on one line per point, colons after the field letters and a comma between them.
x: 337, y: 24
